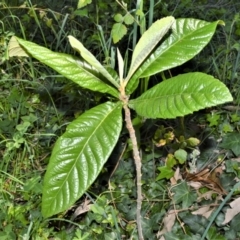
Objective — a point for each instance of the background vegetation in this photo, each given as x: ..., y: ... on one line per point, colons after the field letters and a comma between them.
x: 36, y: 104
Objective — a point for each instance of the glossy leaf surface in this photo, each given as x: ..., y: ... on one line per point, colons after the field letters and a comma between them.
x: 120, y: 65
x: 79, y: 155
x: 148, y: 41
x: 181, y: 95
x: 188, y: 38
x: 70, y: 67
x: 90, y: 58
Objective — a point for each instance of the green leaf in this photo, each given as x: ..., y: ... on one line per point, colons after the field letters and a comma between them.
x: 181, y: 95
x: 226, y: 127
x: 97, y: 209
x: 234, y: 117
x: 232, y: 141
x: 181, y: 156
x: 79, y: 155
x: 177, y: 236
x: 128, y: 19
x: 118, y: 17
x: 148, y: 41
x: 165, y: 172
x: 213, y: 119
x: 81, y: 12
x: 120, y: 65
x: 192, y: 142
x: 118, y: 31
x: 214, y: 235
x: 171, y: 161
x: 70, y: 67
x: 196, y: 223
x: 23, y: 127
x: 234, y: 225
x: 79, y: 235
x: 83, y: 3
x: 188, y: 38
x: 90, y: 58
x: 184, y: 195
x: 233, y: 167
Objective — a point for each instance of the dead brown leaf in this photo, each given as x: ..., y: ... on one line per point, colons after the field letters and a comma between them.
x: 207, y: 178
x: 231, y: 212
x: 84, y: 207
x: 207, y: 195
x: 168, y: 222
x: 177, y: 176
x: 205, y: 211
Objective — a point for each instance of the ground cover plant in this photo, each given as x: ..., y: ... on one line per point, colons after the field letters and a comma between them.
x: 108, y: 211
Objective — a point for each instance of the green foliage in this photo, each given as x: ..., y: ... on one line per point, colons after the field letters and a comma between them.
x: 4, y: 38
x: 70, y: 167
x: 180, y: 150
x: 33, y: 138
x: 119, y: 29
x: 181, y: 156
x: 231, y: 141
x: 198, y: 223
x: 213, y: 234
x: 165, y: 172
x: 29, y: 122
x: 145, y: 45
x: 79, y: 235
x: 183, y: 194
x: 63, y: 167
x: 213, y: 119
x: 90, y: 58
x: 221, y: 57
x: 224, y: 122
x: 182, y: 94
x: 79, y: 72
x: 172, y: 52
x: 23, y: 118
x: 83, y: 3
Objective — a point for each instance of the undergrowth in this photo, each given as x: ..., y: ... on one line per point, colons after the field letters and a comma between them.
x: 36, y: 105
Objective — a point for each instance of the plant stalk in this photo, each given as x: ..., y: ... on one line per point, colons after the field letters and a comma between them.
x: 138, y: 163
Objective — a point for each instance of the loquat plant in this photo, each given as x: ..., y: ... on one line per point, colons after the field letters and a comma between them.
x: 81, y: 152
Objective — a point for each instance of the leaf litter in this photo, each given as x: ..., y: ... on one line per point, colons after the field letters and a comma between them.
x: 207, y: 177
x: 233, y: 211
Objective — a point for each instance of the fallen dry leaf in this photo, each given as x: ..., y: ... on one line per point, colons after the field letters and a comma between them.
x: 207, y: 178
x: 207, y: 195
x: 231, y: 212
x: 168, y: 222
x: 84, y: 207
x: 195, y: 185
x: 201, y: 210
x: 204, y: 211
x: 177, y: 176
